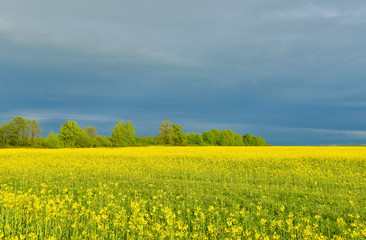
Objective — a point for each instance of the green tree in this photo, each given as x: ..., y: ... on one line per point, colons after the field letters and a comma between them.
x: 223, y: 141
x: 194, y: 139
x: 17, y: 130
x: 263, y: 142
x: 52, y: 141
x: 255, y: 141
x: 217, y: 135
x: 238, y: 140
x: 34, y: 129
x: 259, y: 141
x: 230, y: 136
x: 123, y: 134
x: 91, y: 131
x: 130, y: 134
x: 199, y: 140
x: 117, y: 136
x: 3, y: 133
x: 102, y: 141
x: 248, y: 140
x: 71, y: 135
x: 178, y: 138
x: 190, y: 139
x: 166, y: 132
x: 209, y: 138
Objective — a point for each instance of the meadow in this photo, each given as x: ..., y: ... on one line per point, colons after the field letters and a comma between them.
x: 183, y: 193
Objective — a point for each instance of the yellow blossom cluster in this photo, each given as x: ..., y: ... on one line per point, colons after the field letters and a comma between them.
x: 183, y: 193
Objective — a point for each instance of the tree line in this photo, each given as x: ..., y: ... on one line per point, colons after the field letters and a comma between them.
x: 21, y: 132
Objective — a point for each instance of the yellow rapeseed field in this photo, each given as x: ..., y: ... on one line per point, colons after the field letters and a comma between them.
x: 183, y: 193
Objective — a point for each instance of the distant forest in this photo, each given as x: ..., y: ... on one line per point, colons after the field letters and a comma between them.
x: 21, y: 132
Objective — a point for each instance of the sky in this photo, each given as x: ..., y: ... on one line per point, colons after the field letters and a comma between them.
x: 292, y: 72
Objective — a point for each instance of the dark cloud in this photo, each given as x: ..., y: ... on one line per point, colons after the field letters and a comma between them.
x: 291, y: 71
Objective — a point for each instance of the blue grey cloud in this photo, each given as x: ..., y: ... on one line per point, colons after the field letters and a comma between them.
x: 291, y: 71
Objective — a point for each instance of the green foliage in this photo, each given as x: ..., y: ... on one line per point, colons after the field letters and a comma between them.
x: 102, y: 141
x: 223, y: 141
x: 217, y: 135
x: 166, y: 133
x: 71, y: 135
x: 238, y: 140
x: 118, y: 135
x: 17, y: 131
x: 147, y: 141
x: 178, y: 138
x: 194, y: 139
x: 123, y: 135
x: 130, y: 134
x: 34, y: 130
x: 230, y: 137
x: 209, y: 138
x: 91, y: 131
x: 259, y: 141
x: 52, y: 141
x: 22, y: 132
x: 199, y: 140
x: 248, y: 140
x: 3, y: 133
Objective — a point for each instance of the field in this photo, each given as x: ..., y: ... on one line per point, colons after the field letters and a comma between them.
x: 183, y: 193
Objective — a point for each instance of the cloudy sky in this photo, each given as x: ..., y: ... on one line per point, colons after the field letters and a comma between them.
x: 290, y: 71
